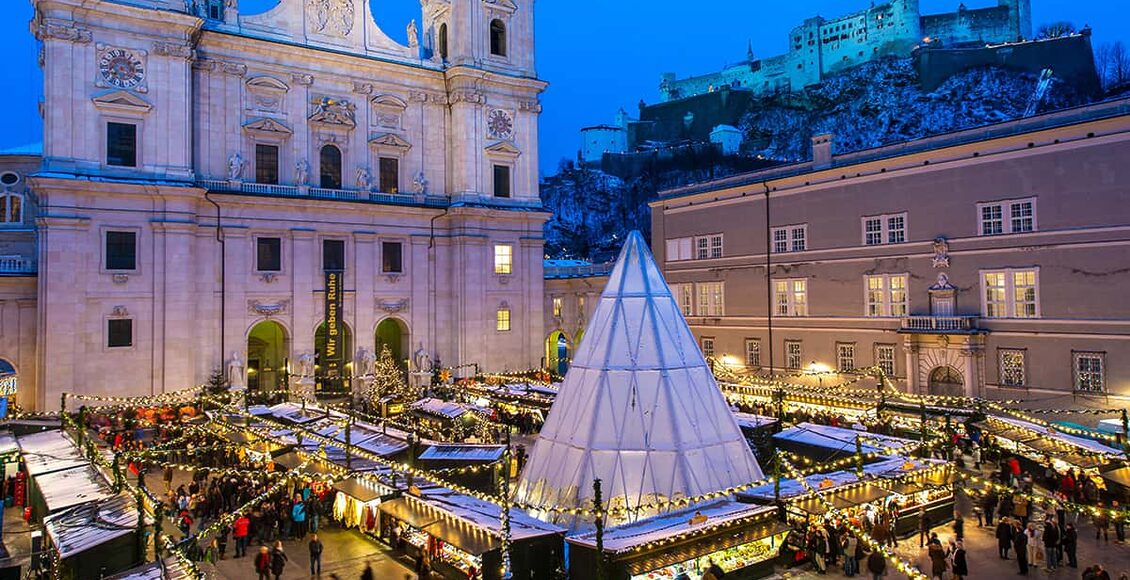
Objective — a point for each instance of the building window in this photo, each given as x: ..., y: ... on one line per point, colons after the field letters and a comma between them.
x: 708, y: 247
x: 886, y: 295
x: 558, y: 306
x: 790, y: 239
x: 216, y: 9
x: 119, y: 333
x: 266, y: 164
x: 711, y: 299
x: 502, y: 320
x: 329, y: 167
x: 752, y: 353
x: 497, y: 37
x: 793, y: 355
x: 333, y: 255
x: 791, y: 297
x: 503, y: 259
x: 1011, y: 294
x: 1089, y: 370
x: 1015, y: 216
x: 392, y: 257
x: 502, y: 181
x: 845, y: 357
x: 11, y: 208
x: 1011, y: 369
x: 121, y: 250
x: 268, y: 254
x: 581, y: 307
x: 121, y: 144
x: 884, y: 229
x: 707, y: 346
x: 443, y: 41
x: 885, y: 358
x: 389, y: 178
x: 679, y: 249
x: 684, y: 294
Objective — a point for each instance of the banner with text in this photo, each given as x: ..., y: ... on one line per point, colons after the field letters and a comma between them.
x: 333, y: 355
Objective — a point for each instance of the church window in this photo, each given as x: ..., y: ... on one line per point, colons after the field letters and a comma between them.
x: 121, y: 144
x: 330, y: 167
x: 502, y: 319
x: 497, y: 37
x: 268, y: 254
x: 502, y: 181
x: 389, y: 174
x: 121, y: 250
x: 119, y: 333
x: 443, y: 41
x: 266, y: 164
x: 392, y: 257
x: 216, y: 9
x: 11, y: 208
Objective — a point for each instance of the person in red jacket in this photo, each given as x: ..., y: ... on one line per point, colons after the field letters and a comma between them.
x: 240, y: 529
x: 263, y: 563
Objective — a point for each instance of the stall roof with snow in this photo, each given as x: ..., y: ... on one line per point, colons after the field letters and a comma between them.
x: 170, y: 568
x: 50, y: 451
x: 624, y: 537
x: 71, y: 487
x: 751, y: 421
x: 90, y: 525
x: 841, y: 440
x: 445, y: 409
x: 463, y: 452
x: 1087, y: 445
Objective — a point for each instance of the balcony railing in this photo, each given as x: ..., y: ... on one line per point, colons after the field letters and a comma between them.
x: 579, y: 271
x: 939, y: 324
x: 221, y: 186
x: 16, y: 265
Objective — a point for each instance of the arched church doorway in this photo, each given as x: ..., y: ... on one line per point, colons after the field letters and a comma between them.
x: 9, y: 385
x: 393, y: 333
x: 268, y: 351
x: 946, y: 381
x: 558, y: 352
x: 327, y: 381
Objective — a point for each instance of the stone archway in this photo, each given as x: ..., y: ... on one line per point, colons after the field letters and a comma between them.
x: 946, y: 381
x: 268, y: 354
x: 558, y: 352
x: 393, y: 332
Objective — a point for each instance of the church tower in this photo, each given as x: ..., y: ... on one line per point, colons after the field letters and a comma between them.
x: 489, y: 34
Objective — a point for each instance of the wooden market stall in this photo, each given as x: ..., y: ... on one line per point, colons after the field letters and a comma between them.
x: 824, y: 442
x: 95, y: 538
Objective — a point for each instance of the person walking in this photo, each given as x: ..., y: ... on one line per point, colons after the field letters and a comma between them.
x: 1020, y: 543
x: 1070, y: 543
x: 1033, y: 537
x: 937, y: 556
x: 923, y: 527
x: 1020, y: 507
x: 278, y: 560
x: 239, y: 532
x: 960, y: 564
x: 1119, y: 522
x: 1004, y: 538
x: 298, y: 515
x: 222, y: 542
x: 367, y: 573
x: 1051, y: 544
x: 315, y: 554
x: 851, y: 565
x: 958, y: 526
x: 1102, y: 524
x: 876, y: 565
x: 989, y: 504
x: 263, y: 563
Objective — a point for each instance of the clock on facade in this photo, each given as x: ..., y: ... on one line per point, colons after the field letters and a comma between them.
x: 121, y: 68
x: 500, y: 124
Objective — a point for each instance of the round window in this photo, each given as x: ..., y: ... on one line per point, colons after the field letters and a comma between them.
x: 9, y: 178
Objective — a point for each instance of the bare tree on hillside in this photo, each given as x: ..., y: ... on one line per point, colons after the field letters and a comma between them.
x: 1112, y: 61
x: 1056, y: 29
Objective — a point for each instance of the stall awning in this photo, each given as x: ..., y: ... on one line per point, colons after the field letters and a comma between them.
x: 860, y: 495
x: 292, y: 460
x: 91, y: 525
x: 50, y: 451
x: 1120, y: 476
x: 408, y: 513
x: 914, y: 485
x: 701, y: 546
x: 470, y: 539
x: 361, y: 491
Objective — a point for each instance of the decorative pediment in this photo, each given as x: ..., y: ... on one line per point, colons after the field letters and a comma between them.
x: 267, y: 126
x: 390, y: 101
x: 268, y: 308
x: 267, y: 83
x: 122, y: 102
x: 503, y: 5
x: 392, y: 306
x: 389, y: 140
x: 333, y: 112
x: 504, y: 149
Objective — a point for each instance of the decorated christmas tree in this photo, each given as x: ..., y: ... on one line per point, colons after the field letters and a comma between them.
x: 388, y: 379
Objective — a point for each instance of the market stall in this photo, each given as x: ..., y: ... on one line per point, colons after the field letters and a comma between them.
x: 460, y: 533
x: 49, y: 451
x: 743, y: 539
x: 95, y: 538
x: 915, y: 488
x: 59, y: 490
x: 356, y: 501
x: 824, y: 442
x: 444, y: 420
x: 168, y: 568
x: 1035, y: 445
x: 477, y: 465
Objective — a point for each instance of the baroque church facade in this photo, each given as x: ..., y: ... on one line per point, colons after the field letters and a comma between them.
x: 276, y: 195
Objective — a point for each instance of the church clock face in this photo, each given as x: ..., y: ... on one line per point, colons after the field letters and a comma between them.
x: 121, y: 68
x: 500, y: 125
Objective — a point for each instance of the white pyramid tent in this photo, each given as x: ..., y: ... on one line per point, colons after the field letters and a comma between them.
x: 639, y: 407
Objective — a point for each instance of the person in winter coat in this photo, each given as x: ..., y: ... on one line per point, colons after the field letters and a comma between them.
x: 263, y: 563
x: 876, y: 565
x: 278, y: 560
x: 989, y: 504
x: 960, y: 565
x: 923, y: 527
x: 1070, y: 543
x: 367, y: 574
x: 1020, y: 543
x: 1051, y: 544
x: 851, y: 565
x: 1004, y: 538
x: 1020, y: 507
x: 937, y: 556
x: 818, y: 547
x: 239, y: 531
x: 298, y: 515
x: 1033, y: 542
x: 1102, y: 524
x: 958, y: 526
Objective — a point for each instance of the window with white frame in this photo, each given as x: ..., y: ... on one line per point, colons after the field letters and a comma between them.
x: 791, y: 297
x: 1011, y: 367
x: 1014, y: 216
x: 884, y: 229
x: 711, y: 298
x: 845, y: 356
x: 1090, y: 368
x: 708, y: 247
x: 886, y: 295
x: 885, y: 358
x: 503, y: 259
x: 790, y: 239
x: 1010, y: 293
x: 558, y: 306
x: 752, y: 352
x: 678, y: 249
x: 793, y: 355
x: 707, y: 346
x: 684, y: 294
x: 502, y: 319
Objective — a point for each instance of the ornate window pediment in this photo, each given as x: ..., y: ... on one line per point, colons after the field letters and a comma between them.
x: 267, y: 127
x: 504, y: 149
x: 267, y: 83
x: 391, y: 101
x: 122, y: 102
x: 265, y: 94
x: 388, y: 111
x: 391, y: 140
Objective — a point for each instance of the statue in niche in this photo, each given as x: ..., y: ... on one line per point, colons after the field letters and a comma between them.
x: 235, y: 371
x: 364, y: 179
x: 420, y: 183
x: 301, y: 171
x: 235, y: 166
x: 941, y: 253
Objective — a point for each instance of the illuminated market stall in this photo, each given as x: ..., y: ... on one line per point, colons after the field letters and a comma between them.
x: 824, y: 442
x: 1036, y: 444
x: 95, y: 538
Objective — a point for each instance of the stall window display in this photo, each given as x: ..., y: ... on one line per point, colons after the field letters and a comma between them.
x: 729, y: 559
x: 437, y: 549
x: 356, y: 514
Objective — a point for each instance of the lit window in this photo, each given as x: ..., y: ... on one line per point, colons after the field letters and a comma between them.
x: 503, y: 259
x: 752, y: 352
x: 790, y: 239
x: 884, y: 229
x: 1089, y: 370
x: 11, y: 208
x: 1011, y: 367
x: 707, y: 247
x: 791, y: 297
x: 707, y: 346
x: 1010, y: 294
x: 502, y: 320
x: 711, y: 298
x: 558, y: 306
x: 885, y: 358
x: 1008, y: 217
x: 886, y: 295
x: 793, y: 354
x: 845, y: 357
x: 684, y: 294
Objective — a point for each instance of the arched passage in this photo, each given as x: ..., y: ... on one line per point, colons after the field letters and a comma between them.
x: 393, y: 333
x: 945, y: 380
x: 558, y: 352
x: 9, y: 380
x: 268, y: 351
x: 327, y: 383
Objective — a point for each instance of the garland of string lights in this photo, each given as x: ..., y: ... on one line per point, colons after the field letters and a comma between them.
x: 1032, y: 497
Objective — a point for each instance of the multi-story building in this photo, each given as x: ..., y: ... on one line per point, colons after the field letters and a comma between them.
x: 277, y: 195
x: 985, y: 262
x: 572, y: 288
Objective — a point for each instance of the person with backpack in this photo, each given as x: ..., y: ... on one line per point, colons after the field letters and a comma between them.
x: 876, y: 565
x: 263, y: 563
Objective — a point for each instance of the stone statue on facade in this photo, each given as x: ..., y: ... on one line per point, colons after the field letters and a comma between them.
x: 301, y: 171
x: 366, y: 363
x: 942, y: 283
x: 235, y: 371
x: 413, y: 34
x: 364, y: 179
x: 422, y: 360
x: 420, y: 183
x: 235, y: 166
x: 941, y: 253
x: 306, y: 368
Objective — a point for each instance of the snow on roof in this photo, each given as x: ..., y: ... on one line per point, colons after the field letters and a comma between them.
x: 336, y: 455
x: 486, y: 515
x: 841, y: 439
x: 463, y: 452
x: 8, y: 443
x: 624, y: 537
x: 900, y: 466
x: 1081, y: 442
x: 171, y: 568
x: 638, y: 399
x: 296, y: 414
x: 50, y: 451
x: 793, y: 488
x: 441, y: 408
x: 752, y: 421
x: 71, y: 487
x: 90, y: 525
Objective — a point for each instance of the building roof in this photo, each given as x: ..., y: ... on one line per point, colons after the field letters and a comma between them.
x: 463, y: 452
x: 841, y: 439
x: 639, y: 407
x: 90, y: 525
x: 625, y: 537
x: 50, y: 451
x: 72, y: 487
x: 25, y: 149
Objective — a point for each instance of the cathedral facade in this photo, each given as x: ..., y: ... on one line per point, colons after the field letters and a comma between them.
x: 278, y: 196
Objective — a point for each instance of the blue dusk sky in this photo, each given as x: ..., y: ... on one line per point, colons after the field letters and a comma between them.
x: 598, y: 55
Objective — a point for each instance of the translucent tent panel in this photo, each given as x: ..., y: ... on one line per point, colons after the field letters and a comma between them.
x: 639, y: 408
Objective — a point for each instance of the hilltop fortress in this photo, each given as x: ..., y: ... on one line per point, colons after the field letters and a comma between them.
x: 820, y: 47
